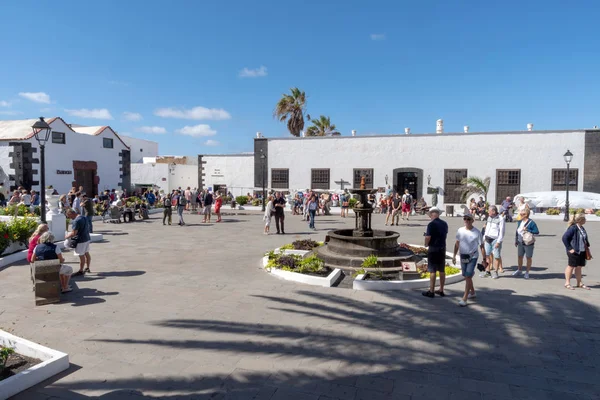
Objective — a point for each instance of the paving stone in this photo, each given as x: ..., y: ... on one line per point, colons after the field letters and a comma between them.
x: 375, y: 383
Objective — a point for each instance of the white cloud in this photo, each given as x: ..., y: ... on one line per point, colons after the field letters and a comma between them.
x: 253, y: 73
x: 155, y: 130
x: 197, y: 130
x: 96, y: 113
x: 37, y: 97
x: 377, y: 36
x: 193, y: 113
x: 131, y: 116
x: 211, y: 142
x: 4, y: 103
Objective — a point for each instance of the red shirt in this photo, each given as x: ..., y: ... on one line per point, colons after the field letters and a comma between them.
x: 32, y: 244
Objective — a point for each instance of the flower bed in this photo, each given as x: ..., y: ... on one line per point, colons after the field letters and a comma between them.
x: 295, y: 266
x: 307, y: 244
x: 51, y: 363
x: 15, y: 233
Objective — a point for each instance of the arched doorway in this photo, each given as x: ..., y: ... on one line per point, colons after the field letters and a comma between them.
x: 411, y: 179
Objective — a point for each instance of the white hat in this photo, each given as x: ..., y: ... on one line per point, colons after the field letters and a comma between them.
x: 434, y: 210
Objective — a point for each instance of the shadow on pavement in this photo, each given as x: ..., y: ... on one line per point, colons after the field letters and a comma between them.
x: 397, y: 345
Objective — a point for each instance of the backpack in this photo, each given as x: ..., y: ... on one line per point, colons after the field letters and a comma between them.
x: 167, y: 202
x: 181, y: 201
x: 407, y: 199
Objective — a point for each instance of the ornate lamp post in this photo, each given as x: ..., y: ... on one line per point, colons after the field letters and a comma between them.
x: 41, y: 131
x: 568, y: 156
x: 263, y: 160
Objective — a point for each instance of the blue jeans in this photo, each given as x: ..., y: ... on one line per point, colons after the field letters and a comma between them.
x: 90, y: 218
x: 468, y: 269
x: 312, y: 214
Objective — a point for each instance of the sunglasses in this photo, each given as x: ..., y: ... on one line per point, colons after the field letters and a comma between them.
x: 467, y: 219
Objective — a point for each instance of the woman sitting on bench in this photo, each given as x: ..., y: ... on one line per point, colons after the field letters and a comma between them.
x: 421, y: 206
x: 47, y: 250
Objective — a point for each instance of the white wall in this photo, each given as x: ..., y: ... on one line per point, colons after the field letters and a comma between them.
x: 140, y: 148
x: 536, y: 154
x: 184, y: 176
x: 234, y: 171
x: 151, y: 173
x: 5, y: 149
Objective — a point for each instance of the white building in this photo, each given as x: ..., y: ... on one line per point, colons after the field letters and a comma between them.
x: 140, y: 148
x: 523, y: 161
x: 93, y: 157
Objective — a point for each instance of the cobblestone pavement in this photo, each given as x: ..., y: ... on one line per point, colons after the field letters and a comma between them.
x: 187, y: 313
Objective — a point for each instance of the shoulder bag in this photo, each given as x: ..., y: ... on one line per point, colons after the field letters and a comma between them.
x: 528, y: 238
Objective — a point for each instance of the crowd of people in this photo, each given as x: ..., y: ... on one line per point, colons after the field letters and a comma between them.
x: 470, y: 242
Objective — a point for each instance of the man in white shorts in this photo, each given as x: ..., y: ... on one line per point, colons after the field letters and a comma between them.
x: 80, y: 230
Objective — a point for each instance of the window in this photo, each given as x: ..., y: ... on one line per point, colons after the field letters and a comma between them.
x: 367, y: 173
x: 508, y: 183
x: 280, y: 178
x: 319, y: 179
x: 452, y: 181
x: 58, y: 137
x: 108, y: 143
x: 559, y: 177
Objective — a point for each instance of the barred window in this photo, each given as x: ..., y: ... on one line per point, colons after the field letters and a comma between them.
x: 367, y: 173
x: 452, y: 181
x: 508, y: 183
x: 280, y: 178
x: 559, y: 179
x: 319, y: 178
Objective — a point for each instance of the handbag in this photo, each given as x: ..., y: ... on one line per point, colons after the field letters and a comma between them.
x: 72, y: 242
x: 489, y: 240
x: 528, y: 238
x: 588, y: 253
x: 465, y: 258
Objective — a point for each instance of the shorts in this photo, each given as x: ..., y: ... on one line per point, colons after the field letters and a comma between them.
x: 576, y: 259
x: 82, y: 248
x: 468, y: 269
x: 491, y: 249
x: 65, y: 270
x: 525, y: 250
x: 405, y: 207
x: 206, y: 210
x: 436, y: 261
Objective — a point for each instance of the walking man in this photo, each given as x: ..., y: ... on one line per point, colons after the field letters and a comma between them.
x: 469, y: 242
x: 435, y: 240
x: 79, y: 229
x: 180, y: 207
x: 396, y: 209
x: 167, y: 208
x: 279, y: 204
x: 494, y: 235
x: 208, y: 201
x: 407, y: 201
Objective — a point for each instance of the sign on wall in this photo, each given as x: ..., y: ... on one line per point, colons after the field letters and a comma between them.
x: 217, y: 172
x: 63, y: 172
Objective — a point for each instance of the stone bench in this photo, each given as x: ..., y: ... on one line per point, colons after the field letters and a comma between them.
x: 46, y: 281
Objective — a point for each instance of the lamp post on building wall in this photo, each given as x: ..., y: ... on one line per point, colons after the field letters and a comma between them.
x: 263, y: 159
x: 41, y: 131
x: 568, y: 156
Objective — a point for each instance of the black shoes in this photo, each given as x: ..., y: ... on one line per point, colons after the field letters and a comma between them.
x: 428, y: 294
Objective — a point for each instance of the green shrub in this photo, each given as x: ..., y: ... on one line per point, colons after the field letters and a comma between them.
x: 597, y: 213
x: 449, y: 271
x: 256, y: 202
x: 294, y: 263
x: 4, y: 237
x: 20, y: 229
x: 552, y: 211
x: 370, y: 262
x: 306, y: 244
x: 352, y: 202
x: 576, y: 211
x: 5, y: 352
x: 22, y: 210
x: 359, y: 272
x: 241, y: 200
x: 288, y: 246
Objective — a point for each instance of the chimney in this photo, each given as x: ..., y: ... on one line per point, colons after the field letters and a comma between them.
x: 530, y: 127
x: 439, y: 126
x: 466, y: 128
x: 258, y: 135
x: 353, y: 132
x: 407, y: 131
x: 302, y: 134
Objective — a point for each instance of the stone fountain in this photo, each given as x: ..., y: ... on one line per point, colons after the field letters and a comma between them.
x: 347, y: 248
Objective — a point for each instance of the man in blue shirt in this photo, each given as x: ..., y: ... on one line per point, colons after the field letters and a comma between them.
x: 435, y: 240
x: 80, y: 230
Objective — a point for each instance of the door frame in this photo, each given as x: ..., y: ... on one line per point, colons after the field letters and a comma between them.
x: 417, y: 171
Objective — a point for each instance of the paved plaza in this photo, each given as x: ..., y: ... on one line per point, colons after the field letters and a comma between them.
x: 187, y: 313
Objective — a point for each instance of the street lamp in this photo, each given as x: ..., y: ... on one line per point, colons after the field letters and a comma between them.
x: 263, y: 159
x: 41, y: 131
x: 568, y: 156
x: 386, y: 179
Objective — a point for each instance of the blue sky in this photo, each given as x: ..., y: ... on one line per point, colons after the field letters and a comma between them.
x: 376, y: 66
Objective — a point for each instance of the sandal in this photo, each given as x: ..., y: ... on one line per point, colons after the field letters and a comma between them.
x: 440, y: 293
x: 568, y: 286
x: 87, y: 271
x: 582, y: 286
x: 67, y: 290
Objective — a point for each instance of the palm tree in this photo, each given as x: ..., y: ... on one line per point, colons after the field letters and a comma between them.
x: 474, y: 185
x: 322, y: 127
x: 291, y: 108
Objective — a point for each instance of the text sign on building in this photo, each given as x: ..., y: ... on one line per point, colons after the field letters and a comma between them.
x: 63, y: 172
x: 217, y: 172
